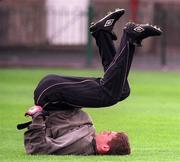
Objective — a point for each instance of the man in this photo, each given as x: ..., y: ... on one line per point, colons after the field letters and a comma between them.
x: 67, y: 129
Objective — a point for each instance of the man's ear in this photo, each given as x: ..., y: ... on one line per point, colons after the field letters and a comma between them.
x: 105, y: 148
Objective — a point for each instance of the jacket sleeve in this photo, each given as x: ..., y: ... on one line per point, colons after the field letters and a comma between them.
x: 35, y: 139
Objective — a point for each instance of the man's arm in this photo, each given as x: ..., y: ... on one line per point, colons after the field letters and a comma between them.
x: 35, y: 139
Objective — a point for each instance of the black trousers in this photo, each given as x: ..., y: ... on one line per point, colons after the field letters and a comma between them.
x: 61, y: 92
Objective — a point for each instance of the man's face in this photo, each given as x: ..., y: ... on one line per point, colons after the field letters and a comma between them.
x: 102, y: 140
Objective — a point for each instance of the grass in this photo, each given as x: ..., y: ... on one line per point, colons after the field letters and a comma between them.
x: 151, y: 116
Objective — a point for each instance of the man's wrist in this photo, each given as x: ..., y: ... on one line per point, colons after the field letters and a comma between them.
x: 38, y: 118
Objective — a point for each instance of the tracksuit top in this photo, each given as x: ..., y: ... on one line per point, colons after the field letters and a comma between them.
x: 62, y: 133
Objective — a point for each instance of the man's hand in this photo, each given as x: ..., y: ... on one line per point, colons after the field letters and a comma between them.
x: 33, y: 110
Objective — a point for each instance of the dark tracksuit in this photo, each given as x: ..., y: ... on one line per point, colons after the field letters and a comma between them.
x: 61, y: 92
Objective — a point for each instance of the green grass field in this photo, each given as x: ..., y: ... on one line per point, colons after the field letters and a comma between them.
x: 151, y: 116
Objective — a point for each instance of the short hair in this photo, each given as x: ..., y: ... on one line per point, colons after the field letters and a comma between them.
x: 119, y: 145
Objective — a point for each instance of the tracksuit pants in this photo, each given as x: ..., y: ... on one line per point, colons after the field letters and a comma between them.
x: 56, y: 92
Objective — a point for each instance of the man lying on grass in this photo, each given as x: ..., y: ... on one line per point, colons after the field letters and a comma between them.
x: 59, y: 126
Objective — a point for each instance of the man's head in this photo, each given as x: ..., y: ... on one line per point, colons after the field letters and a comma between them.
x: 112, y: 143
